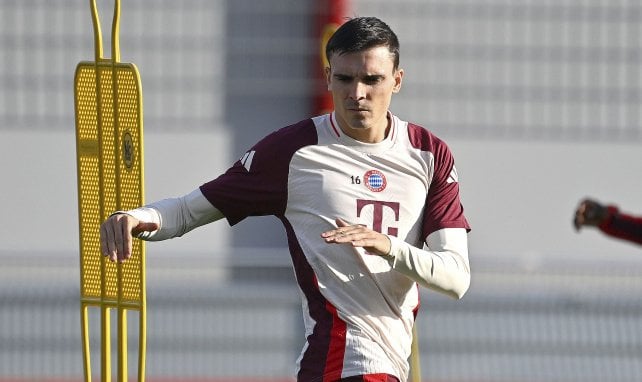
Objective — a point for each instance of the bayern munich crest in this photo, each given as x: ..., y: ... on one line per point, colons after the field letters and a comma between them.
x: 375, y: 180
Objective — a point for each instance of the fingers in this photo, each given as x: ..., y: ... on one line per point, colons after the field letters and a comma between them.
x: 589, y: 213
x: 116, y: 237
x: 579, y: 218
x: 107, y: 242
x: 124, y: 239
x: 358, y: 235
x: 345, y: 233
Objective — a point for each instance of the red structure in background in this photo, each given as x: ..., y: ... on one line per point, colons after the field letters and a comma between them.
x: 330, y: 14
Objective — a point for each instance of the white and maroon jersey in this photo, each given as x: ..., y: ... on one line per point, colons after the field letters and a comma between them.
x: 358, y: 311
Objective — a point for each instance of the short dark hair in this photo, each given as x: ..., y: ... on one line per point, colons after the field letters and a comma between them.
x: 362, y: 33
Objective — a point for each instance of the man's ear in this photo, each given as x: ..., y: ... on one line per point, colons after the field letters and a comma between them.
x: 398, y: 79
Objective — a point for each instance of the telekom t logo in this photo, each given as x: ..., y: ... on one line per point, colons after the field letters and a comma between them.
x: 377, y: 213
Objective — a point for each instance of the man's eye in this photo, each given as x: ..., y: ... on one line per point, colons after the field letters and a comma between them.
x: 344, y: 79
x: 372, y: 80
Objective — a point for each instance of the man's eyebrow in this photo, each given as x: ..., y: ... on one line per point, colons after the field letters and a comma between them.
x: 366, y: 77
x: 343, y: 76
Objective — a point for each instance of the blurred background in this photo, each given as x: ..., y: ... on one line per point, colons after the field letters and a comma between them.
x: 540, y: 102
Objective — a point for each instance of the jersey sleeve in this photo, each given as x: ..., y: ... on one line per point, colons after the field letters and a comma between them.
x: 622, y: 226
x: 256, y: 184
x: 443, y: 267
x: 443, y: 207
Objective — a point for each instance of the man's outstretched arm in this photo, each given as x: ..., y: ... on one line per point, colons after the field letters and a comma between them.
x: 609, y: 220
x: 161, y: 220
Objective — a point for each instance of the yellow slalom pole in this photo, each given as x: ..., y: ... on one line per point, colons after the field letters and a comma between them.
x: 84, y: 322
x: 122, y: 344
x: 109, y: 147
x: 105, y: 340
x: 415, y: 362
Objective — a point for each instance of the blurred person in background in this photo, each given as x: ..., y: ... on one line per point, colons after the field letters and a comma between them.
x: 370, y: 205
x: 608, y: 219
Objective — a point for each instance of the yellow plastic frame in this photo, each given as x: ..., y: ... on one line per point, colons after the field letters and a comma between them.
x: 109, y: 150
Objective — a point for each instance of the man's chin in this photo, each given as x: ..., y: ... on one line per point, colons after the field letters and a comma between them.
x: 359, y: 123
x: 358, y: 126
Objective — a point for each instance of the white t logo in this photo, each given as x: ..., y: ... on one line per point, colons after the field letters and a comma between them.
x: 453, y: 177
x: 246, y: 161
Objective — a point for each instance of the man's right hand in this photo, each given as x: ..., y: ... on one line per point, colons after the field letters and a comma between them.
x: 116, y: 235
x: 589, y: 213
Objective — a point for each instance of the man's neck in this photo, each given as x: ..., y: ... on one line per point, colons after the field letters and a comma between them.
x: 368, y: 135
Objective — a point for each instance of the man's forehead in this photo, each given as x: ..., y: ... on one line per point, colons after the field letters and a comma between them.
x: 369, y: 62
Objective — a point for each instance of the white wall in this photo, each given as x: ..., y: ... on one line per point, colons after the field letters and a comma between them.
x: 39, y: 187
x: 520, y: 196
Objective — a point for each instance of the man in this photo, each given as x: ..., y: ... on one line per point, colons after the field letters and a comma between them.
x: 359, y: 192
x: 609, y: 220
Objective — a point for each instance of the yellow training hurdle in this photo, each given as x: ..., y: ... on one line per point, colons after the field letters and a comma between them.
x: 109, y: 147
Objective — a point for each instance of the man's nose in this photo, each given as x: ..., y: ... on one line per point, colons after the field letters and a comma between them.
x: 357, y: 90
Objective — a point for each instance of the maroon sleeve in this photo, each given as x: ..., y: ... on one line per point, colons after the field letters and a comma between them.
x: 256, y: 184
x: 622, y: 226
x: 443, y: 208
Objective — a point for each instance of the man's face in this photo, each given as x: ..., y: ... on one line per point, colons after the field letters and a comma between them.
x: 362, y: 84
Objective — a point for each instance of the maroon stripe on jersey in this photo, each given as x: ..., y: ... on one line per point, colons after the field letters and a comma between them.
x: 370, y: 378
x: 336, y: 131
x: 337, y: 348
x: 422, y: 138
x: 262, y: 188
x: 313, y: 362
x: 443, y: 206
